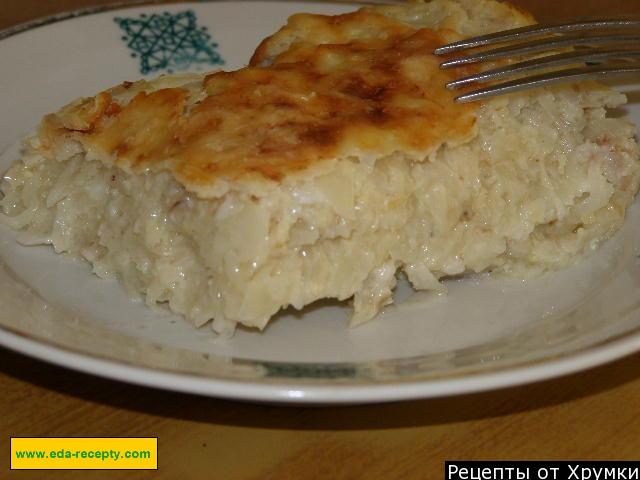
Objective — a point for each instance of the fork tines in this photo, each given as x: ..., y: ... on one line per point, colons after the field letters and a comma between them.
x: 592, y: 49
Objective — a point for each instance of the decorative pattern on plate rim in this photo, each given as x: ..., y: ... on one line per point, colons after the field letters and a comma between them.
x: 168, y: 41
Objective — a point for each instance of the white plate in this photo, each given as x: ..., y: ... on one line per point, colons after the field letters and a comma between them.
x: 486, y: 333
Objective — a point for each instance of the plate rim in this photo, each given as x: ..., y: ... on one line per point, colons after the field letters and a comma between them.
x: 288, y: 392
x: 324, y: 394
x: 128, y: 4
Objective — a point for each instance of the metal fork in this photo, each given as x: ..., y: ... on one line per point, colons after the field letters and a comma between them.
x: 593, y: 49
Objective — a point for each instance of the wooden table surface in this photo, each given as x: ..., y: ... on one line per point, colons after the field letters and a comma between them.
x: 591, y: 415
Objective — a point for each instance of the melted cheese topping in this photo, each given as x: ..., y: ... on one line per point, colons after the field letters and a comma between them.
x: 368, y: 85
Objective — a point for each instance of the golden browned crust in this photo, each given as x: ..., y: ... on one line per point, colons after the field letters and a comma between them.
x: 373, y: 88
